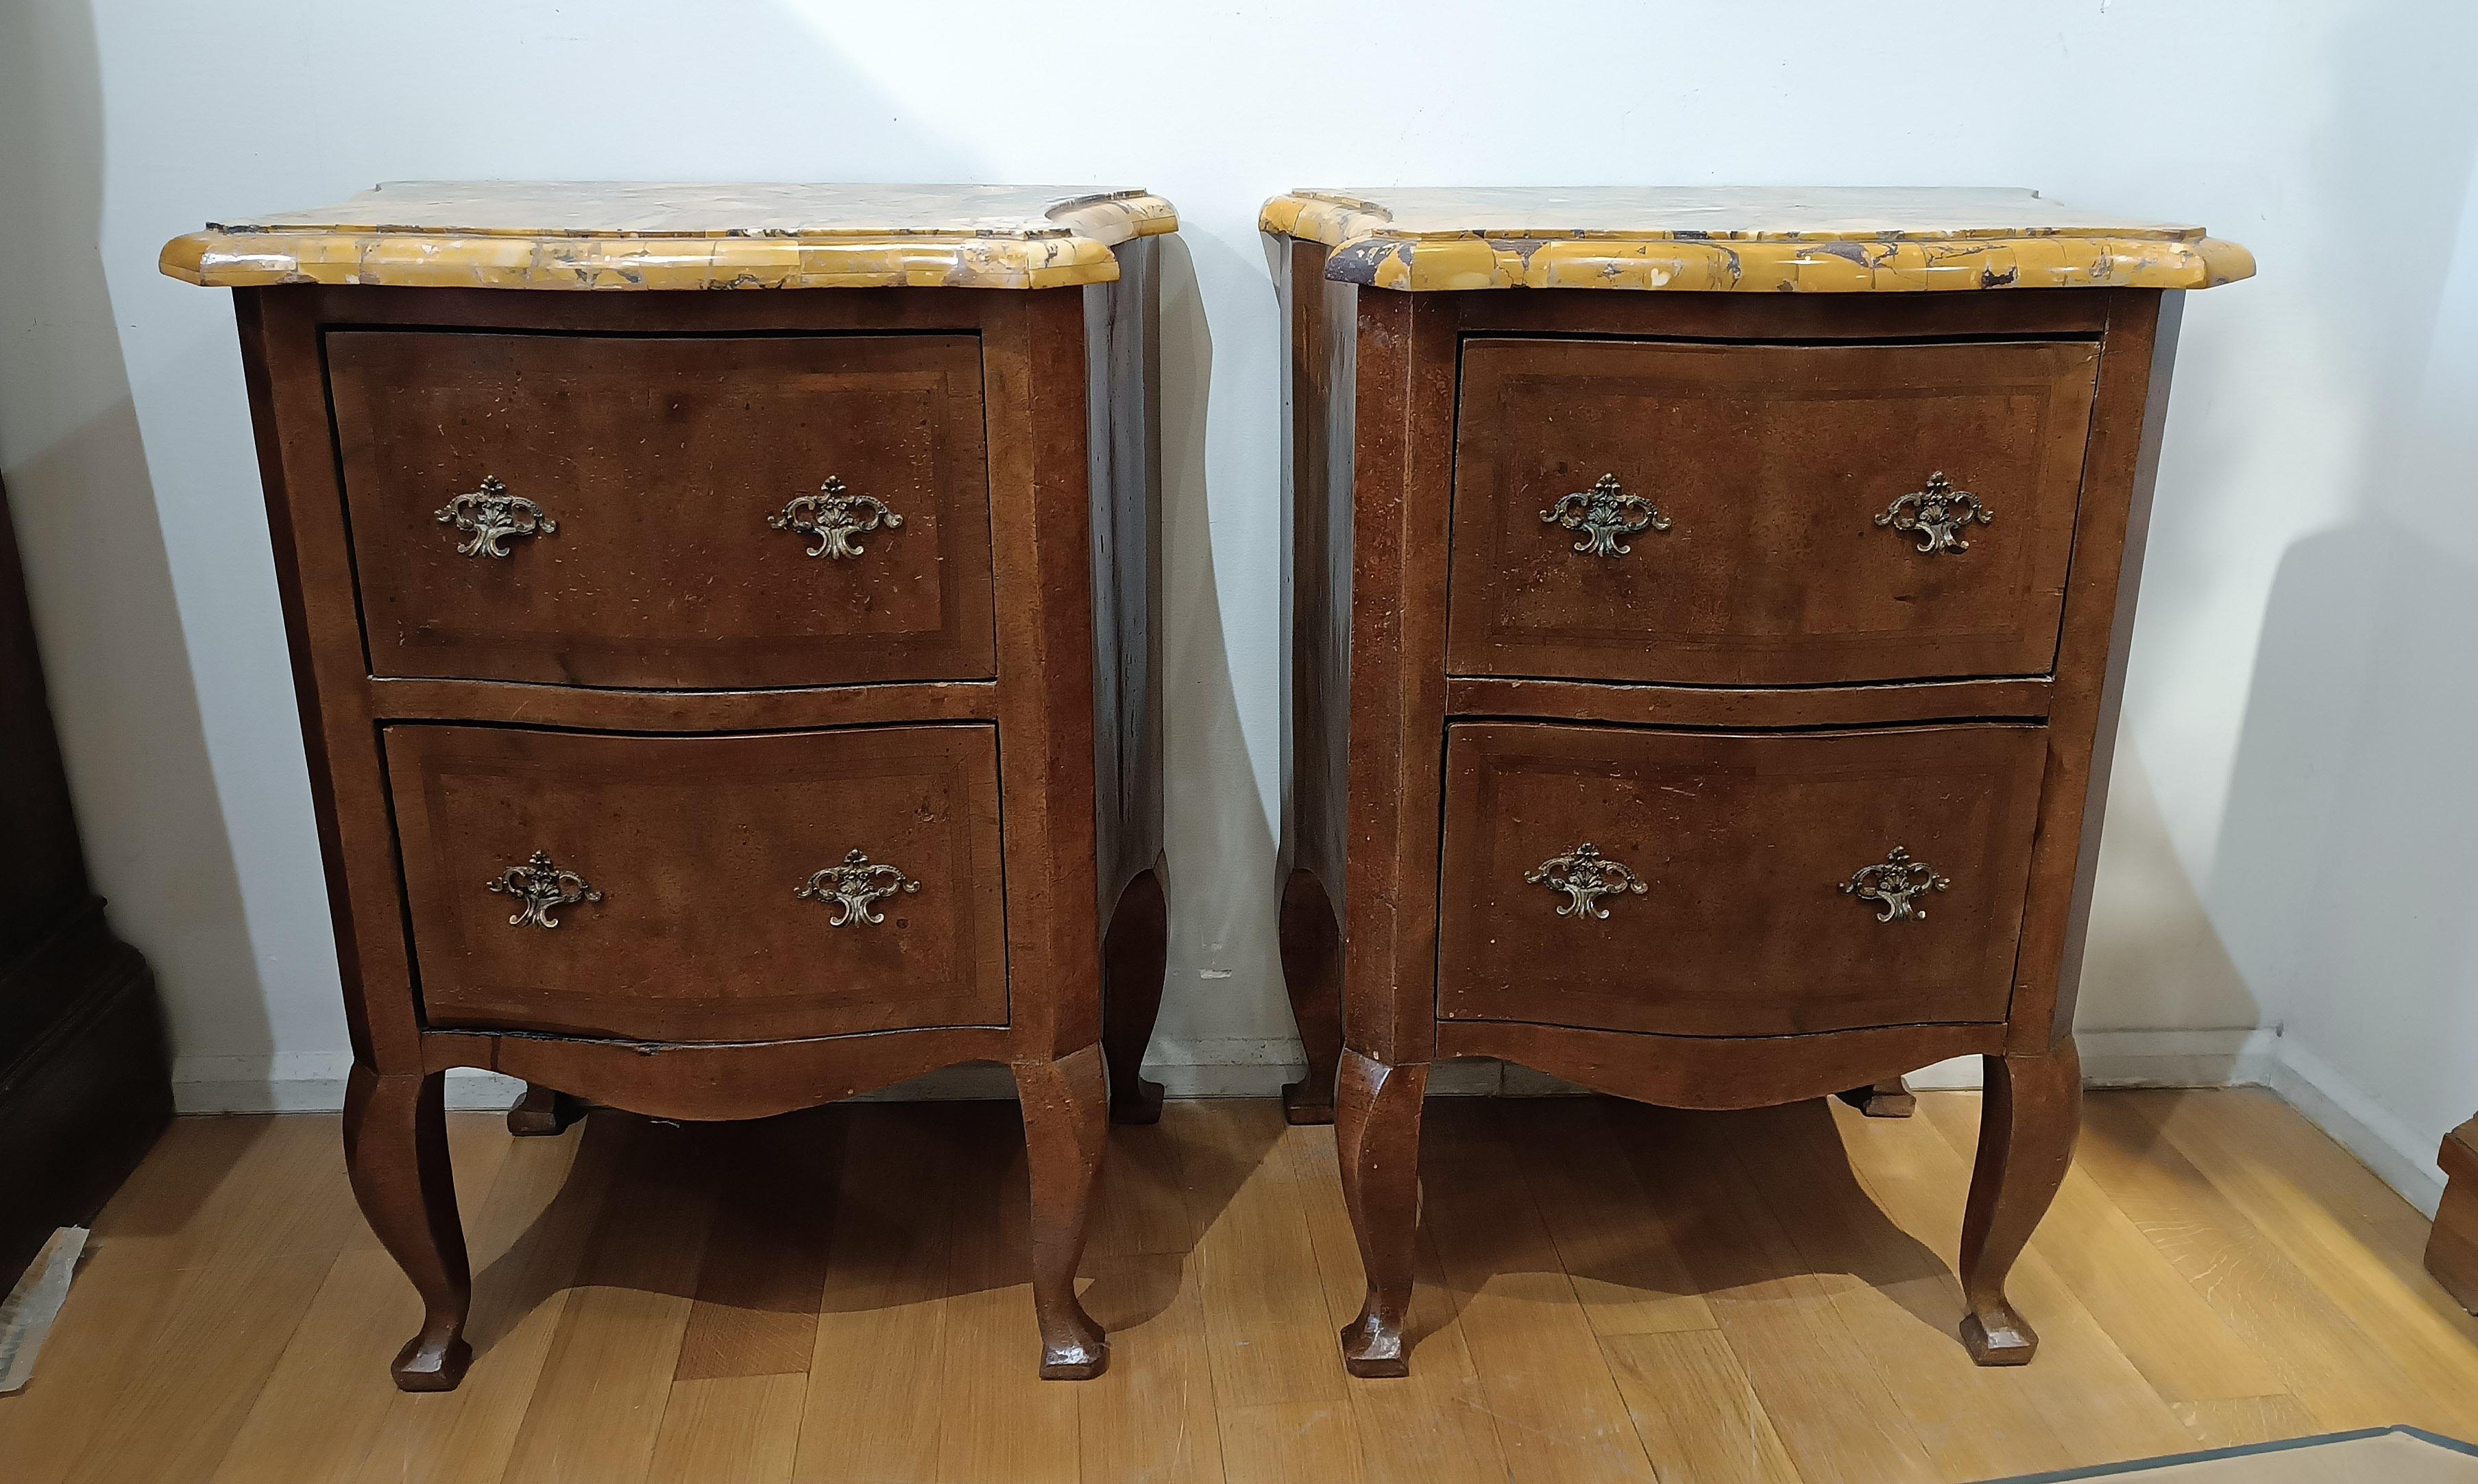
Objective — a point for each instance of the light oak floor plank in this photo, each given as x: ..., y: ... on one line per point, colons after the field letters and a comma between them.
x: 2186, y: 1349
x: 2351, y: 1235
x: 1695, y: 1410
x: 2330, y: 1363
x: 1151, y: 1416
x: 2096, y: 1402
x: 1826, y: 1401
x: 1548, y: 1389
x: 765, y: 1268
x: 322, y: 1410
x: 877, y: 1372
x: 1609, y: 1292
x: 1895, y: 1297
x: 1612, y: 1237
x: 599, y: 1405
x: 2240, y: 1421
x: 170, y: 1219
x: 1268, y: 1342
x: 1290, y: 1443
x: 733, y: 1429
x: 999, y: 1423
x: 1434, y: 1425
x: 199, y: 1376
x: 527, y: 1241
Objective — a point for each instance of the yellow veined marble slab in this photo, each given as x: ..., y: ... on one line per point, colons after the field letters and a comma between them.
x: 1824, y: 239
x: 608, y: 236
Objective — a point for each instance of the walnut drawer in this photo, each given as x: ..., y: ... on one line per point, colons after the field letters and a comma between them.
x: 1770, y: 550
x: 1730, y: 911
x: 653, y: 465
x: 696, y: 848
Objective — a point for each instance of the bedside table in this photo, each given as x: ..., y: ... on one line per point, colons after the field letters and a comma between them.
x: 1710, y: 612
x: 643, y: 552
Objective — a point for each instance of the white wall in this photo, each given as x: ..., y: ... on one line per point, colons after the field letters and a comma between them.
x: 2291, y: 841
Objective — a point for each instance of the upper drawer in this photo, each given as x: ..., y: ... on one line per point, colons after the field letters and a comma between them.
x: 635, y: 484
x: 740, y: 888
x: 1764, y: 515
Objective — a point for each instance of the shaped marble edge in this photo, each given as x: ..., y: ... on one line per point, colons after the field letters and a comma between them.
x: 1073, y: 248
x: 1370, y: 250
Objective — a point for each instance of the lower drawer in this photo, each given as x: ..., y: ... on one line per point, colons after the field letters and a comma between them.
x: 1704, y: 884
x: 700, y: 888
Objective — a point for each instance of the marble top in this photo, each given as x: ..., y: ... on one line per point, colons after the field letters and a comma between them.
x: 624, y: 236
x: 1809, y: 240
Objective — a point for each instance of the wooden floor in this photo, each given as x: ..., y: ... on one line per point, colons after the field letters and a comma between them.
x: 841, y: 1295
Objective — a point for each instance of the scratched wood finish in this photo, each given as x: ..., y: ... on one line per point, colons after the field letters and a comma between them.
x: 668, y: 690
x: 1762, y: 428
x: 1609, y: 1292
x: 1769, y: 464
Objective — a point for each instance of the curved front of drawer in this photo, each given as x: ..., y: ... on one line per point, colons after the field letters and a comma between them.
x: 1764, y: 515
x: 702, y: 889
x: 667, y: 512
x: 1718, y: 884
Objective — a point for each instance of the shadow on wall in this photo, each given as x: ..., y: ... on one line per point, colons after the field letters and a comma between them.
x: 83, y: 501
x: 2353, y: 813
x: 2154, y: 960
x: 153, y: 585
x: 1224, y: 986
x: 2349, y: 848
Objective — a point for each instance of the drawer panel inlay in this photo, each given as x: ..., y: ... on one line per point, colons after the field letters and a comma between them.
x: 700, y: 858
x: 1762, y: 513
x: 652, y: 503
x: 1713, y: 898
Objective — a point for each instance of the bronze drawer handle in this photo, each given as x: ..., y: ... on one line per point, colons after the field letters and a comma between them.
x: 1893, y: 881
x: 489, y: 516
x: 1585, y: 875
x: 539, y: 885
x: 834, y: 518
x: 1937, y: 514
x: 853, y: 886
x: 1603, y: 512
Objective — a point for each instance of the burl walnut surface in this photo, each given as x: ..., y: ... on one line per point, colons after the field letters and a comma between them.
x: 1707, y: 697
x: 720, y: 704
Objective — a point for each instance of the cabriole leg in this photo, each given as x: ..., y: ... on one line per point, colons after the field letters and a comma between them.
x: 1890, y: 1098
x: 1312, y: 972
x: 395, y: 1151
x: 1064, y: 1120
x: 540, y: 1110
x: 2027, y: 1124
x: 1376, y: 1134
x: 1135, y: 955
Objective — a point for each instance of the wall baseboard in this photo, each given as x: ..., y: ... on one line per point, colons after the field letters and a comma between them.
x: 2248, y: 1056
x: 2360, y: 1125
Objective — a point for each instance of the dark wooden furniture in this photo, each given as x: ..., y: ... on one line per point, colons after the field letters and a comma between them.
x: 720, y: 703
x: 2452, y: 1246
x: 85, y: 1081
x: 1705, y: 697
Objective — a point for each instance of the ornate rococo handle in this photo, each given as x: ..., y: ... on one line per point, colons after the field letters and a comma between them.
x: 1603, y: 512
x: 539, y: 885
x: 1894, y: 881
x: 1586, y: 876
x: 834, y: 518
x: 853, y: 886
x: 489, y: 516
x: 1937, y: 516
